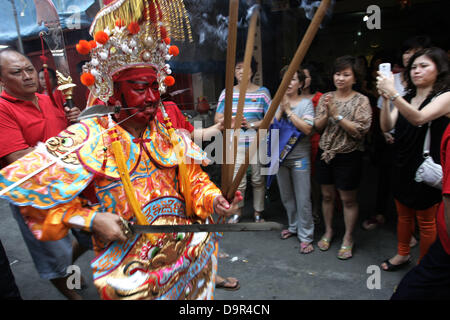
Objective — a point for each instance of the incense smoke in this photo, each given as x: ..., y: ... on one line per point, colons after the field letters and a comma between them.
x: 209, y: 19
x: 310, y: 7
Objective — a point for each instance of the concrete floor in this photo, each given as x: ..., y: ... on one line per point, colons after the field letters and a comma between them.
x: 268, y: 268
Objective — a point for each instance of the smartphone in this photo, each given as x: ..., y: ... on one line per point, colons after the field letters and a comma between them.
x: 385, y: 69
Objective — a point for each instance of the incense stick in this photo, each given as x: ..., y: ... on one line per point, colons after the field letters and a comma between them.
x: 244, y: 83
x: 229, y: 82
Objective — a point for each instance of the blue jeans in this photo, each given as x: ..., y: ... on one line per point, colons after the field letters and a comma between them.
x: 51, y: 258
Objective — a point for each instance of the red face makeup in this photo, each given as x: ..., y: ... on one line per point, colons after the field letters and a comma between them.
x: 142, y: 93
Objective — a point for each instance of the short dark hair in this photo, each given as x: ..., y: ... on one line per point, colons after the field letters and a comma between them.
x: 316, y: 79
x: 300, y: 74
x: 347, y: 61
x: 253, y: 64
x: 51, y: 72
x: 416, y: 42
x: 440, y: 59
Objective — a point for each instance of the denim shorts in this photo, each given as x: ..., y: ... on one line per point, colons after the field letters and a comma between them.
x: 51, y: 258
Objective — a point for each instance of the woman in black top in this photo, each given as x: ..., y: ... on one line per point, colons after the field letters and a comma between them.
x: 426, y: 103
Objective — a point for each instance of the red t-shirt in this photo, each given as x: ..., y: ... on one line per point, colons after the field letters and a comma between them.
x: 58, y: 96
x: 22, y: 125
x: 177, y: 118
x: 441, y: 226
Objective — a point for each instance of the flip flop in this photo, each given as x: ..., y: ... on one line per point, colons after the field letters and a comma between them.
x: 226, y: 281
x: 345, y: 252
x: 324, y: 244
x: 286, y: 234
x: 395, y: 267
x: 304, y: 245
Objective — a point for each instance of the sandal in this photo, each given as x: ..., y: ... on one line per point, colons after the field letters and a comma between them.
x: 258, y: 217
x: 324, y: 244
x: 306, y: 245
x: 235, y: 218
x: 395, y: 267
x: 285, y: 234
x: 345, y: 252
x: 227, y: 284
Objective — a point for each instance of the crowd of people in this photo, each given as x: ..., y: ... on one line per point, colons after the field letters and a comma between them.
x: 327, y: 135
x: 327, y: 131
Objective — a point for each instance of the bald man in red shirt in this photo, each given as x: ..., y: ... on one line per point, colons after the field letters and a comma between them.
x: 27, y: 118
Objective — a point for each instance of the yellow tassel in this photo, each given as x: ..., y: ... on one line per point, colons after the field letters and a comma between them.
x: 117, y: 150
x: 182, y: 171
x: 174, y: 17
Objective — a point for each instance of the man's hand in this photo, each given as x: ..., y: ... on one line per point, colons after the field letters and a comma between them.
x: 108, y: 227
x: 223, y: 208
x: 72, y: 114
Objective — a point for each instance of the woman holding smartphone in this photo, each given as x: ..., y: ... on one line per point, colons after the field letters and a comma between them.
x: 425, y: 105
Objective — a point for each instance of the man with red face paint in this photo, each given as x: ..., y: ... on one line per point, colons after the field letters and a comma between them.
x: 150, y: 266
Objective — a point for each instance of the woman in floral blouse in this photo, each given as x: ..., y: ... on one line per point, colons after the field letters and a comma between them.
x: 343, y: 117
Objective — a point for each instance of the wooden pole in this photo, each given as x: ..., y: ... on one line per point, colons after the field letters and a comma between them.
x: 293, y: 67
x: 229, y: 83
x: 243, y: 85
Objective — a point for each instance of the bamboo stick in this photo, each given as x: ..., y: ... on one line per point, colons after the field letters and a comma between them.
x: 293, y: 67
x: 229, y: 83
x: 244, y: 83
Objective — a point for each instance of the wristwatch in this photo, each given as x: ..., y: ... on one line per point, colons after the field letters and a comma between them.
x: 338, y: 118
x: 395, y: 96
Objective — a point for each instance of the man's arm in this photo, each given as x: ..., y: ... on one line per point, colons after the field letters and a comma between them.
x: 446, y: 199
x: 10, y: 158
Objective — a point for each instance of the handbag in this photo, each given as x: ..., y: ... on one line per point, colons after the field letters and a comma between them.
x: 429, y: 172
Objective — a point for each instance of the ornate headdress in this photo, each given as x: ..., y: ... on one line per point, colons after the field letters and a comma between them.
x: 133, y: 34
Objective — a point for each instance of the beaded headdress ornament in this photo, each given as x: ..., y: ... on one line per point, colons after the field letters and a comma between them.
x: 133, y: 34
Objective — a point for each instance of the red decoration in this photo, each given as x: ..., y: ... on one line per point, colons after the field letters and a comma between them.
x: 87, y: 79
x: 134, y: 28
x: 93, y: 44
x: 83, y: 47
x: 202, y: 105
x: 163, y: 32
x: 167, y: 40
x: 101, y: 37
x: 169, y: 81
x: 174, y: 51
x: 152, y: 13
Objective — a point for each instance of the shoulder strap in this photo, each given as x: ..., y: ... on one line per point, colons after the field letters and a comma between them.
x: 426, y: 143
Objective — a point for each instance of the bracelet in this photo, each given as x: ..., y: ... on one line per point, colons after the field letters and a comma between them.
x: 395, y: 96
